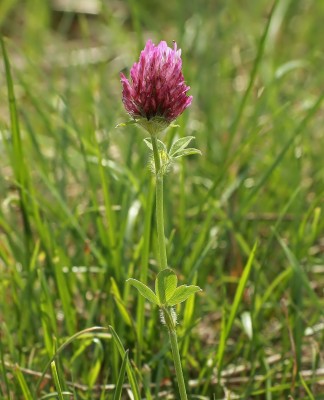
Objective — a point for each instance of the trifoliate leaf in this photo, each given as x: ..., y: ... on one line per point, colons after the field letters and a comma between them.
x: 180, y: 144
x: 182, y: 293
x: 144, y: 290
x: 165, y: 285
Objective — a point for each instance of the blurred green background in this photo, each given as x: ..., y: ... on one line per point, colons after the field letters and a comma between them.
x: 76, y: 199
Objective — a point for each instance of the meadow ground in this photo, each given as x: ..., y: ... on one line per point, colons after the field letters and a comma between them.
x: 77, y: 202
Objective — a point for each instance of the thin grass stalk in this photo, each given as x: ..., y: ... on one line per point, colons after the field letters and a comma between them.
x: 17, y: 157
x: 144, y: 269
x: 57, y: 381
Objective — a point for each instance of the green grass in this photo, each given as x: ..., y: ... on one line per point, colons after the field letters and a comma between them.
x: 77, y: 203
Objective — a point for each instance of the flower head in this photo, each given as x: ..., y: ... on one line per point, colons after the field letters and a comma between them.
x: 157, y: 93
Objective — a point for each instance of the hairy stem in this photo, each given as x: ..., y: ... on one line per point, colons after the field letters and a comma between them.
x: 164, y: 264
x: 175, y: 354
x: 159, y: 206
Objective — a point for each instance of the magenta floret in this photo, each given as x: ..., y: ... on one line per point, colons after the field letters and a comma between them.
x: 157, y: 88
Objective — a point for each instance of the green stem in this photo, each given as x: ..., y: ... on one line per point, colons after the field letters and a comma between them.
x: 175, y: 354
x: 159, y: 206
x: 164, y: 264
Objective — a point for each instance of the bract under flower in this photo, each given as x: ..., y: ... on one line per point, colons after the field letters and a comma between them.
x: 157, y: 93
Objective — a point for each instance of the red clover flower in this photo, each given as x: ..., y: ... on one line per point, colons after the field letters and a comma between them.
x: 157, y: 93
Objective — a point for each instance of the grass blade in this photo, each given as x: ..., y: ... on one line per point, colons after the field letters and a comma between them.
x: 236, y: 304
x: 129, y: 368
x: 144, y: 269
x: 121, y: 377
x: 18, y: 161
x: 56, y: 381
x: 23, y: 384
x: 63, y: 346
